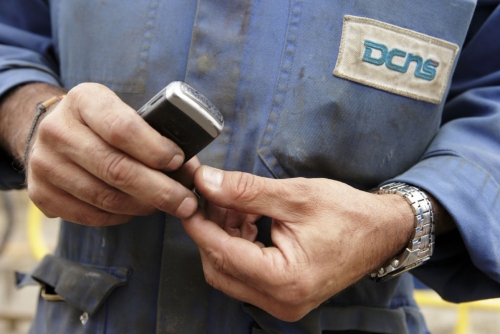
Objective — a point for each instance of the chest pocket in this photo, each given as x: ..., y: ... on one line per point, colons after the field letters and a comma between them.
x: 98, y: 41
x: 320, y: 125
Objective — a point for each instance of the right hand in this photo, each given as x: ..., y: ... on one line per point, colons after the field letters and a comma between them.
x: 95, y: 161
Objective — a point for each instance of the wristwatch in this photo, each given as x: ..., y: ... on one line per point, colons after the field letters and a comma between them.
x: 421, y: 245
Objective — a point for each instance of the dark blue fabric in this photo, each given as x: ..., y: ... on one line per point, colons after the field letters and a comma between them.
x: 267, y: 65
x: 11, y: 177
x: 26, y: 38
x: 458, y: 169
x: 80, y: 286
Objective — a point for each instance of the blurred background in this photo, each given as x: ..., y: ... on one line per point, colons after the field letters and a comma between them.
x: 19, y: 253
x: 26, y: 235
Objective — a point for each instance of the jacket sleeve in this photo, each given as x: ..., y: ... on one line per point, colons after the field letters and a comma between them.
x: 461, y: 169
x: 26, y: 55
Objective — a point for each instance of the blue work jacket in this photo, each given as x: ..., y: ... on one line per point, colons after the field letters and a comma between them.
x: 363, y: 92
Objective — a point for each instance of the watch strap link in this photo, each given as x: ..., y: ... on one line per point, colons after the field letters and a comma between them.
x: 421, y: 245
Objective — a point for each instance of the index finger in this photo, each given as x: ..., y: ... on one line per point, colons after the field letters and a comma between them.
x: 121, y: 127
x: 123, y: 172
x: 262, y: 268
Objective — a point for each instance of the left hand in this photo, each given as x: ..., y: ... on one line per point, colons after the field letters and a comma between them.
x: 326, y: 235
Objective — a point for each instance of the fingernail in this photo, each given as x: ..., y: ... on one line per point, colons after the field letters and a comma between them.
x: 176, y: 162
x: 187, y: 208
x: 213, y: 176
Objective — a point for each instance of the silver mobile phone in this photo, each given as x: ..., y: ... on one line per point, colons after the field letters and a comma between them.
x: 185, y: 116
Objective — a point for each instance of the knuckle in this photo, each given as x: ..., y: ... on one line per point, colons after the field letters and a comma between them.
x: 165, y: 199
x: 300, y: 197
x: 120, y: 129
x: 35, y: 195
x: 40, y: 201
x: 295, y: 292
x: 210, y: 279
x: 50, y: 130
x: 37, y: 163
x: 78, y: 93
x: 301, y: 186
x: 288, y: 297
x: 217, y: 261
x: 118, y: 170
x: 84, y: 93
x: 49, y: 215
x: 42, y: 168
x: 291, y: 314
x: 245, y: 189
x: 83, y: 89
x: 110, y: 200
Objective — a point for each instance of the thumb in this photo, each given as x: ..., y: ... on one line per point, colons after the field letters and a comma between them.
x: 252, y: 194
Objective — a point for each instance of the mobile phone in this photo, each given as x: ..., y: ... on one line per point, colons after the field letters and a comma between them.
x: 185, y: 116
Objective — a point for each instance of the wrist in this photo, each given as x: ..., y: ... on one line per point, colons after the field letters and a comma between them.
x: 393, y: 230
x: 41, y: 110
x: 400, y: 226
x: 17, y: 110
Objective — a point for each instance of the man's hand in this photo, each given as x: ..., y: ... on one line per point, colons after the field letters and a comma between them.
x: 326, y: 235
x: 95, y: 161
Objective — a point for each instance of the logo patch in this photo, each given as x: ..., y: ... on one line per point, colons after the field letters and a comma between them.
x: 395, y: 59
x: 424, y: 70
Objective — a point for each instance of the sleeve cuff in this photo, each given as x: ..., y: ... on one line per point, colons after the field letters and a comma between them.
x: 17, y: 76
x: 10, y: 176
x: 466, y: 264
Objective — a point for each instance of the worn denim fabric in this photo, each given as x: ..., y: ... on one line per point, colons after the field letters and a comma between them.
x: 267, y: 65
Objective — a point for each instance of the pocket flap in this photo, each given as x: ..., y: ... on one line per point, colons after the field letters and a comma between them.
x: 81, y: 286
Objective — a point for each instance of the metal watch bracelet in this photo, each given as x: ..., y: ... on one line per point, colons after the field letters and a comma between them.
x: 421, y: 245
